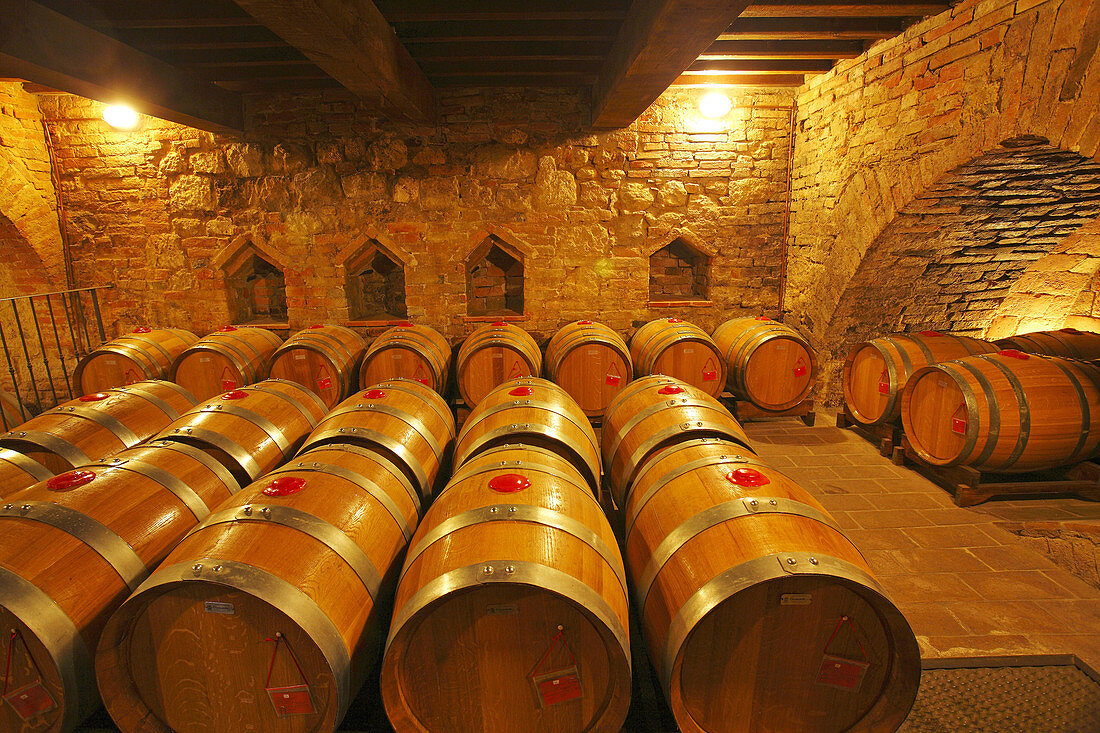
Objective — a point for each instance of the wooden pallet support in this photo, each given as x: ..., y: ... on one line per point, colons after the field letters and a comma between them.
x: 748, y: 412
x: 971, y: 487
x: 886, y: 436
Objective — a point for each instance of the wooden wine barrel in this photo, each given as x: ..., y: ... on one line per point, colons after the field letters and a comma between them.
x: 1067, y: 342
x: 591, y: 362
x: 88, y: 428
x: 71, y: 550
x: 492, y: 355
x: 876, y: 371
x: 408, y: 351
x: 266, y: 616
x: 1004, y: 412
x: 769, y: 364
x: 406, y: 421
x: 758, y: 612
x: 12, y: 415
x: 225, y: 360
x: 322, y: 358
x: 252, y: 430
x: 655, y: 412
x: 18, y: 471
x: 532, y: 412
x: 679, y: 349
x: 511, y: 610
x: 144, y: 353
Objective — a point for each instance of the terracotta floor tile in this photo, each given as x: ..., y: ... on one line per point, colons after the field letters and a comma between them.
x: 1006, y: 617
x: 932, y: 619
x: 884, y: 562
x: 897, y: 518
x: 1077, y: 617
x: 1012, y: 585
x: 959, y: 535
x: 995, y: 645
x: 880, y: 539
x: 1077, y: 588
x: 846, y: 486
x: 928, y: 588
x: 907, y: 500
x: 955, y: 515
x: 845, y: 502
x: 884, y: 470
x: 1011, y: 557
x: 844, y: 520
x: 938, y: 559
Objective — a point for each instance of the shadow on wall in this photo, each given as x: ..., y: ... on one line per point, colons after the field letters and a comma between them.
x: 949, y: 260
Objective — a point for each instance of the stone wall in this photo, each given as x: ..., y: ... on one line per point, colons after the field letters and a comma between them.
x: 156, y: 210
x: 880, y: 129
x: 1074, y: 546
x: 677, y: 272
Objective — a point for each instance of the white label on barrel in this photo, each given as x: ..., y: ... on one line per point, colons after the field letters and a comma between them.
x: 941, y: 381
x: 397, y: 356
x: 498, y: 355
x: 780, y: 347
x: 300, y: 357
x: 112, y: 362
x: 204, y: 359
x: 689, y: 351
x: 218, y: 607
x: 593, y: 352
x: 795, y: 599
x: 501, y: 610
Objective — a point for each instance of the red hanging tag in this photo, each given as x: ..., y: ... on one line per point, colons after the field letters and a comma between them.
x: 30, y: 700
x: 130, y: 377
x: 228, y: 380
x: 557, y: 686
x: 800, y: 367
x: 290, y: 699
x: 515, y: 372
x: 420, y: 375
x: 324, y: 379
x: 958, y: 422
x: 840, y: 671
x: 613, y: 377
x: 884, y: 383
x: 710, y: 374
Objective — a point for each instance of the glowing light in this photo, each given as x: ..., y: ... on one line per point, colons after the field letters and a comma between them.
x: 120, y: 116
x: 715, y: 104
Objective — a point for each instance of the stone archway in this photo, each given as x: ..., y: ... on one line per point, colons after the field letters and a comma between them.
x: 950, y: 259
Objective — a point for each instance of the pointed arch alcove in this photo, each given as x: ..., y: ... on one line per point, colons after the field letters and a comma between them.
x: 679, y: 270
x: 374, y: 279
x: 255, y: 282
x: 495, y: 275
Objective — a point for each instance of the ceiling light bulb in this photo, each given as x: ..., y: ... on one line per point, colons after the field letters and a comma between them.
x: 120, y: 116
x: 715, y: 104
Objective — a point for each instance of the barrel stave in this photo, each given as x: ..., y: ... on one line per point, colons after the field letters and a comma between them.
x: 408, y: 351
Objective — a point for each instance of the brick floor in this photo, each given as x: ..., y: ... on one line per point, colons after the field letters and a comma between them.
x: 967, y: 587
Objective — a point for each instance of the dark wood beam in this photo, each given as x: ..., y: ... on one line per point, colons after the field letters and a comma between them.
x: 833, y: 9
x: 743, y: 80
x: 562, y: 50
x: 658, y: 40
x: 520, y: 80
x: 166, y: 39
x: 355, y: 44
x: 763, y: 66
x: 397, y: 11
x: 512, y: 30
x: 451, y: 67
x: 45, y: 47
x: 815, y: 28
x: 189, y: 58
x: 782, y: 50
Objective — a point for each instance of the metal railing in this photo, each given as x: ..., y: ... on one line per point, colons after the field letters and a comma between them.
x: 30, y: 354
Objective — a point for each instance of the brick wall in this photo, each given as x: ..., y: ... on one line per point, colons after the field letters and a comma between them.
x: 153, y: 210
x: 879, y: 130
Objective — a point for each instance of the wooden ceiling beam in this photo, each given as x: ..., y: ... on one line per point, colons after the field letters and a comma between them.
x: 398, y: 11
x: 658, y: 40
x: 833, y: 9
x: 467, y: 31
x: 762, y: 66
x: 744, y: 80
x: 814, y: 28
x: 451, y: 67
x: 782, y: 50
x: 563, y: 50
x: 355, y: 44
x: 42, y: 46
x: 519, y: 80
